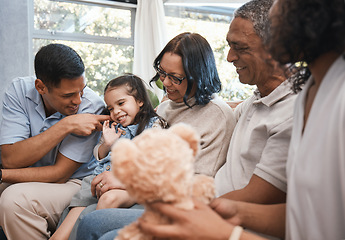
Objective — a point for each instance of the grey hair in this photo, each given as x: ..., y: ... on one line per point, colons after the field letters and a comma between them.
x: 256, y: 11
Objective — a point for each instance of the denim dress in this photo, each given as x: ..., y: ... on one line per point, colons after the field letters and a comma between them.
x: 83, y: 198
x: 129, y: 132
x: 104, y: 164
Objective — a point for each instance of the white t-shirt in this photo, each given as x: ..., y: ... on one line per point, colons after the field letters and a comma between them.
x: 316, y: 164
x: 260, y: 141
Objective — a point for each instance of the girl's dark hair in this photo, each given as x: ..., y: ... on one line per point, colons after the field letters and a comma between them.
x: 198, y: 63
x: 301, y: 31
x: 136, y: 88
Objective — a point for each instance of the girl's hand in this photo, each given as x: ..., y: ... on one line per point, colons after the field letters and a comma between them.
x: 109, y: 133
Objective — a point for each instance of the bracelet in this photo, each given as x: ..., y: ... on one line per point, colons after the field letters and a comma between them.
x: 0, y: 176
x: 236, y: 233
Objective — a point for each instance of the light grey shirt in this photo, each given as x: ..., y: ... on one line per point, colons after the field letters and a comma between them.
x: 260, y: 141
x: 214, y: 122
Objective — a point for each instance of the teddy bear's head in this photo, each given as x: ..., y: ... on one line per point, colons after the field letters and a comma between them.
x: 157, y: 164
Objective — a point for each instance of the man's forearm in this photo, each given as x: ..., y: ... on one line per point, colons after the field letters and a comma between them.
x: 35, y: 174
x: 258, y: 190
x: 60, y: 172
x: 266, y: 219
x: 27, y: 152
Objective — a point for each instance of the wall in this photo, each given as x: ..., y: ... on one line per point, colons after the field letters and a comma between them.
x: 15, y: 42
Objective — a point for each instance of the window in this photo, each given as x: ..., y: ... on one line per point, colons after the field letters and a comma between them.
x: 100, y: 31
x: 211, y: 22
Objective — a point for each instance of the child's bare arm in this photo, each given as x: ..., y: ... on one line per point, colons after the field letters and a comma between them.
x: 65, y: 229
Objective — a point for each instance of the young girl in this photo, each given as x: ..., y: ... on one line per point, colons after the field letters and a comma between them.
x: 131, y: 112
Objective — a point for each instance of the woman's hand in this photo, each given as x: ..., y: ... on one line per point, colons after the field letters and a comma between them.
x: 199, y: 223
x: 105, y: 182
x: 115, y: 198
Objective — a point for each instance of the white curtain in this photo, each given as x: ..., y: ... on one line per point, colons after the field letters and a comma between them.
x: 149, y: 38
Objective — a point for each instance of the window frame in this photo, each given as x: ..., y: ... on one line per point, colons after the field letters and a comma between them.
x: 79, y: 37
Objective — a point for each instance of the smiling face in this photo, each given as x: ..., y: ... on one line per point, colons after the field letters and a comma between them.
x: 172, y: 63
x: 64, y: 99
x: 247, y: 53
x: 123, y: 107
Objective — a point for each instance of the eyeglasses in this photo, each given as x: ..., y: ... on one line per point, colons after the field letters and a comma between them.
x: 162, y: 75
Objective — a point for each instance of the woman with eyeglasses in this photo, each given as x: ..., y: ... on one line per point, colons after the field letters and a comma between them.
x: 187, y: 69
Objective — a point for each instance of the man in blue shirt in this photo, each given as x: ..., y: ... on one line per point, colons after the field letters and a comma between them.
x: 48, y: 131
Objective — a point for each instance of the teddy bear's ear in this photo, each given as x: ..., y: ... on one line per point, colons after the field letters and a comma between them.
x: 188, y: 134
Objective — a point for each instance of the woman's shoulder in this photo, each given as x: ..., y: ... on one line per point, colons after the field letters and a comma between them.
x: 218, y: 104
x: 217, y: 107
x: 163, y: 106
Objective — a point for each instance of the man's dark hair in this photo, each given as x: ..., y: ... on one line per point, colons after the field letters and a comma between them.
x: 55, y: 62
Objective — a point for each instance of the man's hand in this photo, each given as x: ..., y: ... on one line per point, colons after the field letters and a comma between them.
x: 227, y: 209
x: 104, y: 182
x: 84, y: 124
x: 199, y: 223
x: 26, y: 152
x: 262, y: 218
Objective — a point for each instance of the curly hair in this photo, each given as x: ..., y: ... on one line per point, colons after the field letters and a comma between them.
x: 199, y: 65
x: 301, y: 31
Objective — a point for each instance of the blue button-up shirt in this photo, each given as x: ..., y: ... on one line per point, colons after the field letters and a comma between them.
x: 24, y: 117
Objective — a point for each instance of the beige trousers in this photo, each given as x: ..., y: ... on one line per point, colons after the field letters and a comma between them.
x: 31, y: 211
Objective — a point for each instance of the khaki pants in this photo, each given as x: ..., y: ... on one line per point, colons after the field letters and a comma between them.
x: 31, y: 211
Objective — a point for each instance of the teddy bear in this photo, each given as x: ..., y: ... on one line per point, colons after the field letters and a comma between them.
x: 158, y: 165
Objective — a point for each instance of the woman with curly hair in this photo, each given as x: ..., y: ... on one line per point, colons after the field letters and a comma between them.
x: 312, y: 34
x: 313, y: 31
